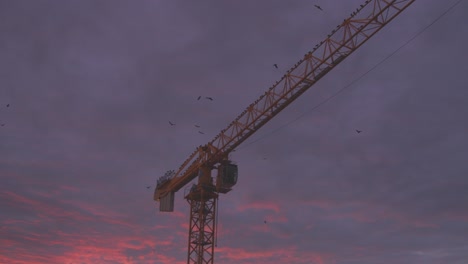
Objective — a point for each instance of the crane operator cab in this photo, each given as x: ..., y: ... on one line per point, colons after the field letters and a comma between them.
x: 227, y: 176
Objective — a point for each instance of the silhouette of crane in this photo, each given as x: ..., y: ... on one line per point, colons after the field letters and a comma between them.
x: 202, y: 197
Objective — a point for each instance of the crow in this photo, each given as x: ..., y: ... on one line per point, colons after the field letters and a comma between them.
x: 198, y: 97
x: 276, y: 65
x: 264, y: 221
x: 197, y: 126
x: 318, y: 7
x: 147, y: 187
x: 209, y: 98
x: 359, y: 131
x: 171, y: 123
x: 3, y: 124
x: 8, y: 105
x: 201, y: 132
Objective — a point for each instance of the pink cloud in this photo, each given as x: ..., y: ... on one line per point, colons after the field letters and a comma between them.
x: 458, y: 216
x: 324, y: 204
x: 277, y: 255
x: 66, y: 209
x: 405, y: 220
x: 88, y: 247
x: 259, y: 206
x: 43, y: 209
x: 371, y: 214
x: 368, y: 212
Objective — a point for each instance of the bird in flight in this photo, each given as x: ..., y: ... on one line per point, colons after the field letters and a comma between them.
x: 358, y: 131
x: 147, y: 187
x: 318, y: 7
x: 3, y: 124
x: 198, y: 97
x: 209, y: 98
x: 264, y: 221
x: 201, y: 132
x: 276, y: 65
x: 197, y: 126
x: 172, y: 124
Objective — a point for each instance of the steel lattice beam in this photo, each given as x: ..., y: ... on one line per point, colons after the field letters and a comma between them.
x: 354, y: 31
x: 202, y: 201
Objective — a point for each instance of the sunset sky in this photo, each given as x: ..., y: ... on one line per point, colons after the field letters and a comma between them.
x: 92, y: 84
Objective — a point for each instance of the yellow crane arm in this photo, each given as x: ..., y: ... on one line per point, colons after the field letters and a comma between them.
x: 343, y: 40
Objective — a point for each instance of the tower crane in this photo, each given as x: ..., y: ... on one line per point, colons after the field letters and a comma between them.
x: 202, y: 197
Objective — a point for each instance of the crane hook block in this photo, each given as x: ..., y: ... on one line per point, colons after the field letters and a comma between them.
x: 227, y: 177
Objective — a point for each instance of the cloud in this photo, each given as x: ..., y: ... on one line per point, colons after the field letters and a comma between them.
x: 92, y: 86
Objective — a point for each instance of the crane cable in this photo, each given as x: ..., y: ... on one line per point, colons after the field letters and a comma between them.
x: 355, y: 80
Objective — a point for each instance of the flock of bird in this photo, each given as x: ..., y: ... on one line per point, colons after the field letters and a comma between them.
x: 3, y: 124
x: 197, y: 126
x: 211, y: 99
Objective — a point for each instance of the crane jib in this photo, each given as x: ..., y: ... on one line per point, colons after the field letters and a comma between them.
x: 347, y: 38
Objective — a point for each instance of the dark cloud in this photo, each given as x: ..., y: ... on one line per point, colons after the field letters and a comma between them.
x: 92, y: 85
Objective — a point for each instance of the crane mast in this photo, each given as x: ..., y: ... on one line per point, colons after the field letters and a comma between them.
x: 347, y: 37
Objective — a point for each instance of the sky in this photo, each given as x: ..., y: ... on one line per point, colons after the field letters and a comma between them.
x: 92, y: 86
